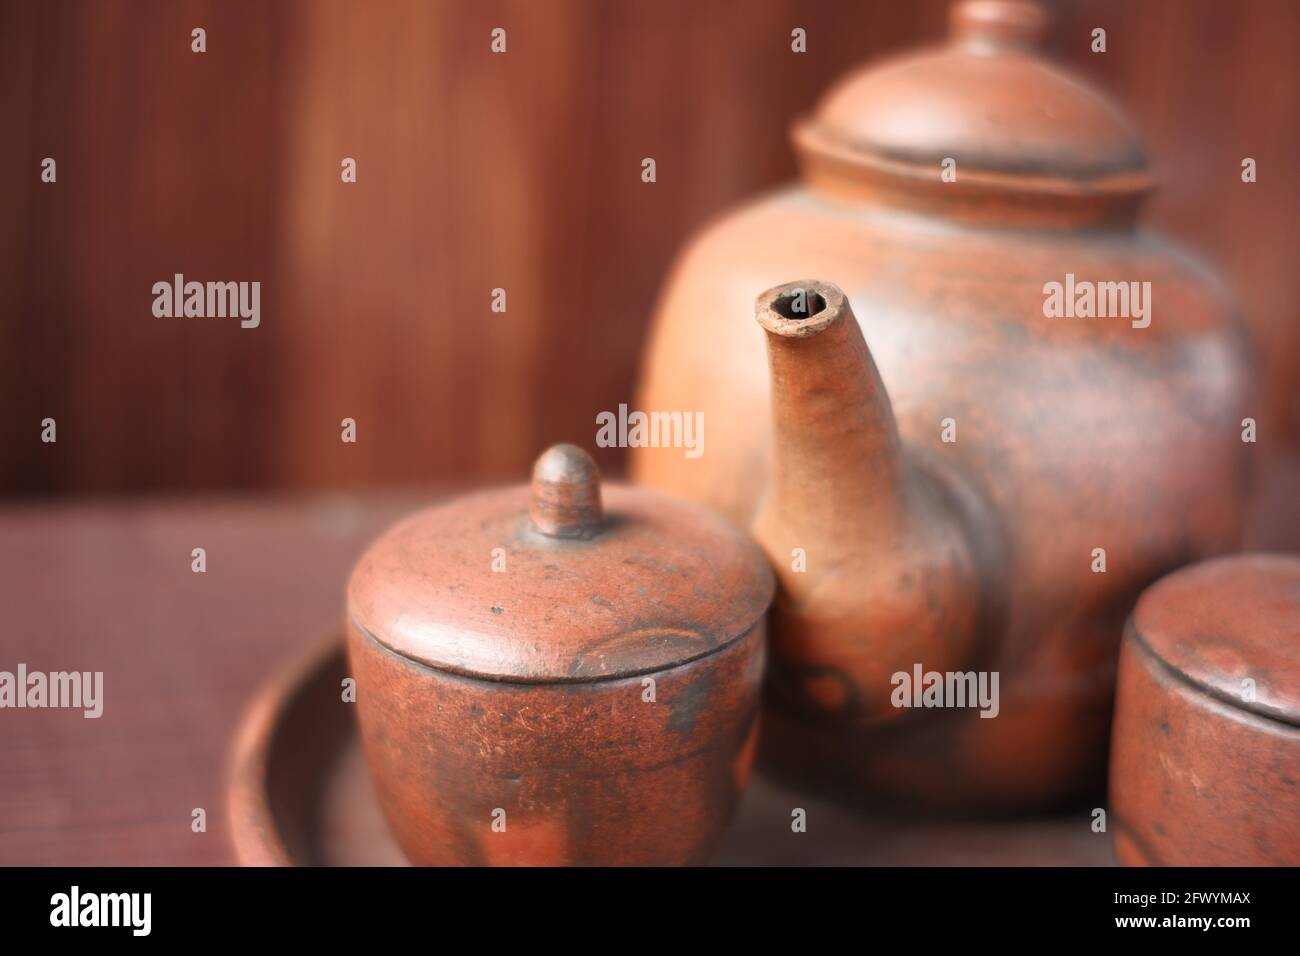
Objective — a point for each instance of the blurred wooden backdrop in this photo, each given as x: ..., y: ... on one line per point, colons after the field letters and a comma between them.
x: 478, y: 171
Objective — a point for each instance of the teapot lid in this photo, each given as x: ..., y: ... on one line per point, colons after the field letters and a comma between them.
x: 1222, y: 622
x: 563, y: 581
x: 986, y: 100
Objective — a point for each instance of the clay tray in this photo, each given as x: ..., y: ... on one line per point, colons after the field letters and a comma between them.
x: 300, y: 795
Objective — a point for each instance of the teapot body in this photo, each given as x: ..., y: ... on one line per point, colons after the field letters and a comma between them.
x: 1094, y: 452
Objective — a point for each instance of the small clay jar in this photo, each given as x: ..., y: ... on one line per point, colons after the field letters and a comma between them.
x: 1205, y: 764
x: 559, y: 675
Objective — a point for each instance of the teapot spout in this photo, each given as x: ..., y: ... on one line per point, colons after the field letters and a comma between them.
x: 874, y: 558
x: 838, y: 458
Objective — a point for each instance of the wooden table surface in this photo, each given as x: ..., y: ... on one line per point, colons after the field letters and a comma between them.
x: 109, y: 587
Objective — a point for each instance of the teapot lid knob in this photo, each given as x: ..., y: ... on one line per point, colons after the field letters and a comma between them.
x: 997, y: 24
x: 565, y: 501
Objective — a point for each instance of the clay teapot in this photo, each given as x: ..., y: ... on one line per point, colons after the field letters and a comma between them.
x: 1044, y: 416
x: 566, y: 674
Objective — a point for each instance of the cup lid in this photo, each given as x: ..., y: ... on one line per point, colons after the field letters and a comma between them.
x: 563, y: 581
x: 1223, y: 622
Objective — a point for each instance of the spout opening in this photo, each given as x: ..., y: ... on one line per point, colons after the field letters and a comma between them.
x: 799, y: 304
x: 800, y: 309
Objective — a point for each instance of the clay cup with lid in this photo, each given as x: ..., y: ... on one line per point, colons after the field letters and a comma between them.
x: 561, y: 674
x: 1205, y: 762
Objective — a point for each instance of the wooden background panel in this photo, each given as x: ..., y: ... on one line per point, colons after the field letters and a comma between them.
x: 520, y: 172
x: 161, y: 157
x: 476, y: 171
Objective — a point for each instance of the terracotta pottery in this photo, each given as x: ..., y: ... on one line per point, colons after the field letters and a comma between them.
x: 1205, y: 766
x: 559, y: 675
x: 957, y: 488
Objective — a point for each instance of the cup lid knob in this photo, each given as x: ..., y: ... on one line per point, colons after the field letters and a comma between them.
x: 565, y: 501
